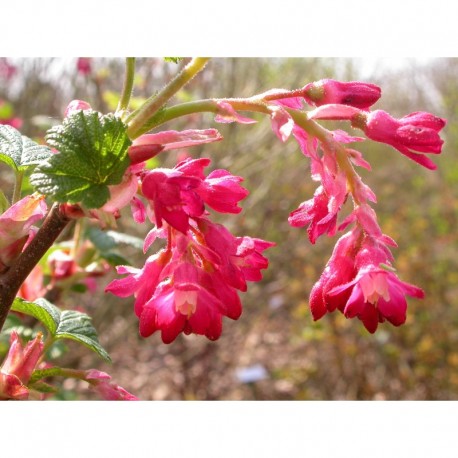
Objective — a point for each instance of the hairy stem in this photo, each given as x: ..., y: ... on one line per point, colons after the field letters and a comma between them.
x: 12, y: 279
x: 139, y: 117
x: 128, y: 85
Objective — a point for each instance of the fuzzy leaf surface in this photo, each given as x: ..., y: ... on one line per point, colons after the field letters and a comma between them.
x: 92, y: 155
x: 20, y: 152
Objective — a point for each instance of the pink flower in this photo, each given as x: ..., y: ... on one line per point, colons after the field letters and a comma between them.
x: 101, y: 382
x: 353, y: 93
x: 149, y: 145
x: 192, y: 284
x: 227, y: 114
x: 140, y: 282
x: 238, y: 259
x: 183, y: 305
x: 413, y: 134
x: 221, y: 191
x: 18, y: 366
x: 320, y: 213
x: 173, y: 197
x: 181, y: 193
x: 84, y: 65
x: 62, y: 264
x: 122, y: 194
x: 16, y: 226
x: 334, y: 112
x: 377, y: 295
x: 282, y: 122
x: 340, y: 269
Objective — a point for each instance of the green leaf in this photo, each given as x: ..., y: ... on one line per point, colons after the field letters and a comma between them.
x: 92, y: 156
x: 78, y: 288
x: 78, y: 326
x: 115, y: 259
x: 42, y: 310
x: 43, y: 387
x: 106, y: 240
x: 19, y: 151
x: 44, y: 373
x: 68, y: 324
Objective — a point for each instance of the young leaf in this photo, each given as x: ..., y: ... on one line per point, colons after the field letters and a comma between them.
x: 44, y: 373
x: 92, y: 155
x: 68, y: 324
x: 19, y: 151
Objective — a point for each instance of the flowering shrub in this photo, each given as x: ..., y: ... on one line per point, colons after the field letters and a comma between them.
x: 94, y: 165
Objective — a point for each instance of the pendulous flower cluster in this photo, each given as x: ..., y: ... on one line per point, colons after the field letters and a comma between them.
x: 192, y: 283
x: 359, y: 279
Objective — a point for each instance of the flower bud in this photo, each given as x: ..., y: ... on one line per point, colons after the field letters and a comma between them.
x: 76, y: 105
x: 353, y: 93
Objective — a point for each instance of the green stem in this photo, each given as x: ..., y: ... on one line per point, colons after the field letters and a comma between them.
x: 73, y: 373
x: 48, y: 342
x: 128, y: 85
x: 139, y: 117
x: 208, y: 106
x: 17, y: 186
x: 77, y: 236
x: 257, y: 104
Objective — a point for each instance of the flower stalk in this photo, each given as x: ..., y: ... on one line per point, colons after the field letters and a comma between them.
x: 128, y: 85
x: 141, y: 116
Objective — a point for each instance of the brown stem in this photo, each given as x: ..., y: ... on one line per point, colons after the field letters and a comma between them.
x: 12, y: 279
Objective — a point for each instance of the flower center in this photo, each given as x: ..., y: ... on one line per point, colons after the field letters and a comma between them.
x: 374, y: 286
x: 186, y: 302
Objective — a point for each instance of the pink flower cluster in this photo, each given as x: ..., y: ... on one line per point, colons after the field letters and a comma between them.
x: 192, y: 283
x: 359, y: 279
x: 189, y: 285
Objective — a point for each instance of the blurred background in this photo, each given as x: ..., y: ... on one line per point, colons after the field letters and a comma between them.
x: 275, y: 351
